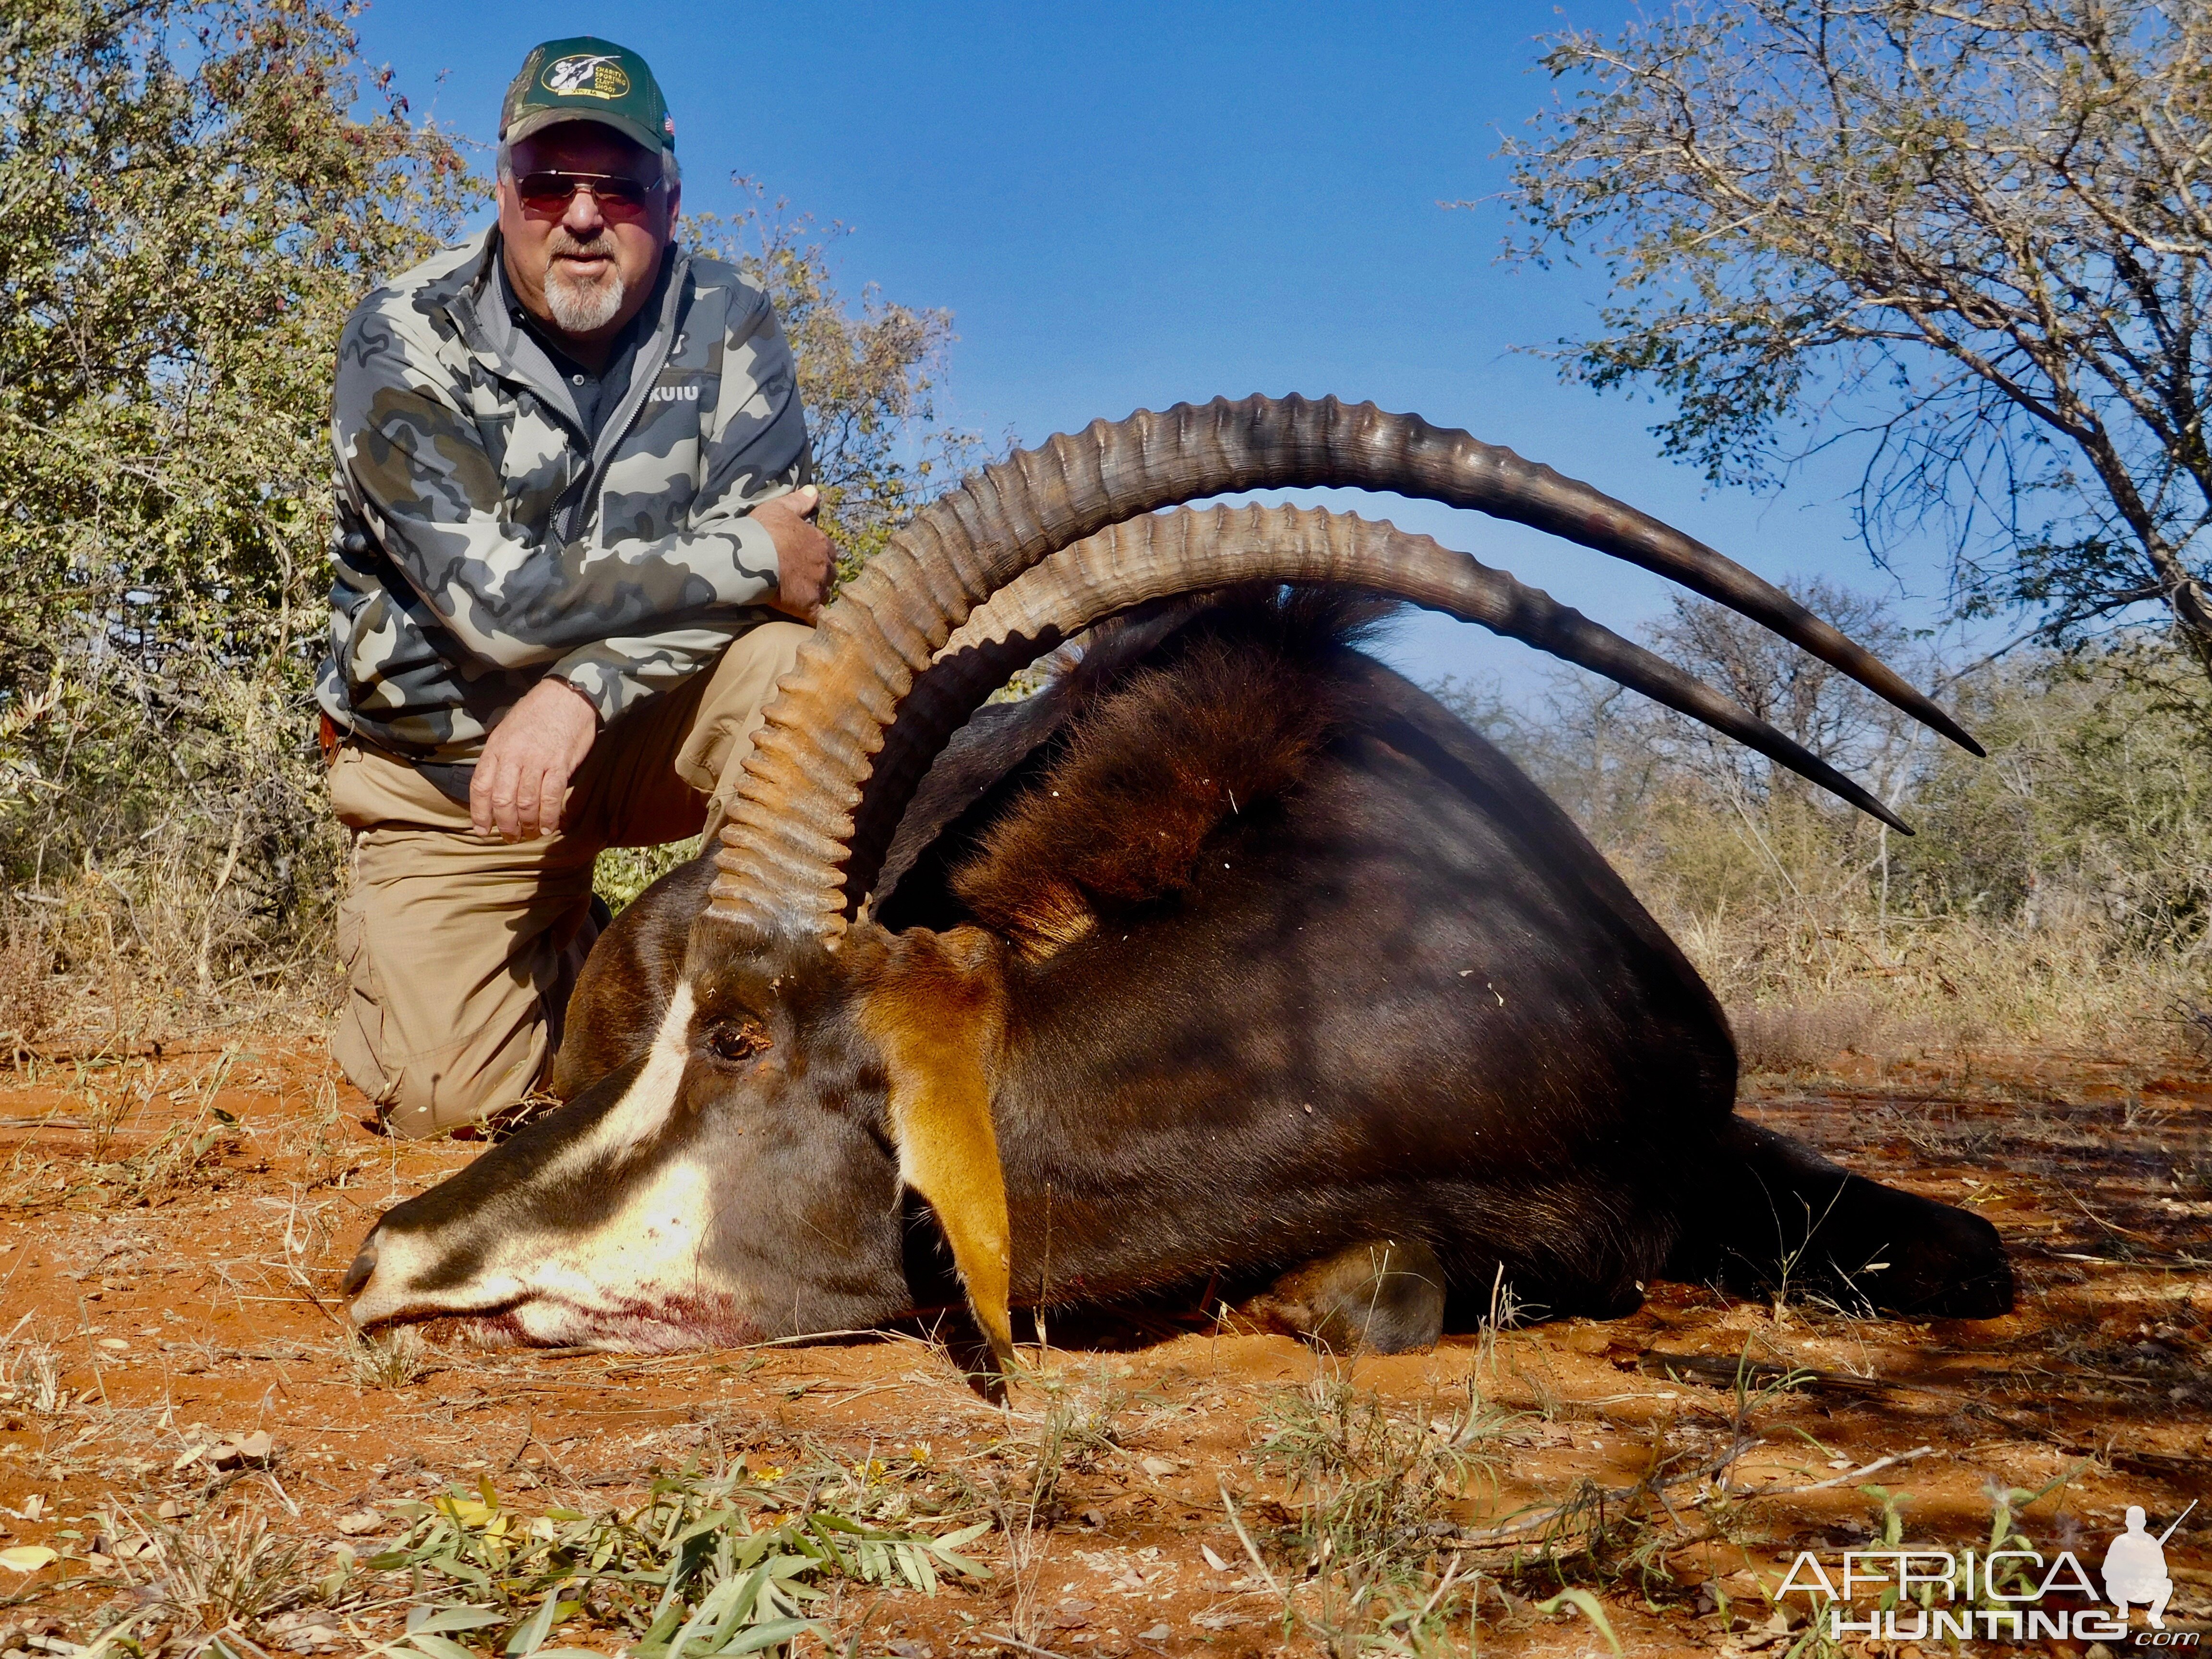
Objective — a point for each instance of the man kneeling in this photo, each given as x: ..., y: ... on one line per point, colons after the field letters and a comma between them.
x: 572, y: 499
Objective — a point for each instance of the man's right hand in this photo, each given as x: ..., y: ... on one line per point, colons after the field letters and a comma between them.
x: 804, y: 559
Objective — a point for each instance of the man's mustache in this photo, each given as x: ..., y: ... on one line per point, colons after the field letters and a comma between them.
x: 563, y: 242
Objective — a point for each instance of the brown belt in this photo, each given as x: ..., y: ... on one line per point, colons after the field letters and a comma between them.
x: 449, y: 778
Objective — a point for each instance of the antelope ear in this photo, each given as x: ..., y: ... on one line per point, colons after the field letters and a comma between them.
x: 938, y: 1015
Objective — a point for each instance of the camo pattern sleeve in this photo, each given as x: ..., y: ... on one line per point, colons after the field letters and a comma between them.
x: 484, y: 542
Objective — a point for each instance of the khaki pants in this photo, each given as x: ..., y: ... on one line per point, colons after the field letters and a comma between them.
x: 460, y: 949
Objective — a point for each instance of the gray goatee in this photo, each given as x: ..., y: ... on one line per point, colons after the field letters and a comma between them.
x: 580, y: 304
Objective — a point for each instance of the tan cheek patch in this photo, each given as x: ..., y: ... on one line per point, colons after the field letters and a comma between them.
x: 937, y: 1017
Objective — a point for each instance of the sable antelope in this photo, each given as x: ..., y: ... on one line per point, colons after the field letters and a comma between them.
x: 1232, y: 956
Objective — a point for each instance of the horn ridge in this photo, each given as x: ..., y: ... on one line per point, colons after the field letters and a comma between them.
x: 1157, y: 557
x: 1004, y: 519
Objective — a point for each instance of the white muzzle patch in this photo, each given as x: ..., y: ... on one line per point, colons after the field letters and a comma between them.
x: 637, y: 1278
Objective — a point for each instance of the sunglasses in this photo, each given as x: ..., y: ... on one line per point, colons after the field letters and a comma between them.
x: 550, y: 193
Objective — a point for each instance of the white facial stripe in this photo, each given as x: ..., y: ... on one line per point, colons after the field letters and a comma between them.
x: 645, y: 1105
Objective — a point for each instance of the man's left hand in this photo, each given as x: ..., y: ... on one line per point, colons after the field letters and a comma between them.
x: 805, y: 561
x: 522, y: 776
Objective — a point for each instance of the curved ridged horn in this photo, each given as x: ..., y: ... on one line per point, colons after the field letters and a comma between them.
x: 786, y: 840
x: 1190, y: 551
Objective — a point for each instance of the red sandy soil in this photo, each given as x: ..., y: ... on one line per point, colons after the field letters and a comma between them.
x: 188, y: 1306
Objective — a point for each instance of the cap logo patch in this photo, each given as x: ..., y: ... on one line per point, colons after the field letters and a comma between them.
x: 586, y: 76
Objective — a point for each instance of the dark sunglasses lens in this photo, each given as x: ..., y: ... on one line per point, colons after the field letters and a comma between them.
x: 551, y: 193
x: 544, y: 192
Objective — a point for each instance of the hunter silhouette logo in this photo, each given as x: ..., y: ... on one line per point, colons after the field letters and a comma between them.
x: 2135, y: 1568
x: 1997, y: 1594
x: 591, y: 76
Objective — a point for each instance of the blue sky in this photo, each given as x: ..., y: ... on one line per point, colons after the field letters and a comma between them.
x: 1128, y: 205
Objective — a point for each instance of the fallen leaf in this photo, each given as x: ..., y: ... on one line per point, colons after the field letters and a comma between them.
x: 1212, y: 1559
x: 1156, y: 1467
x: 28, y: 1558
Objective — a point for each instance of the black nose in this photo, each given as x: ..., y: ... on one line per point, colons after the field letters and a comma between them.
x: 364, y: 1264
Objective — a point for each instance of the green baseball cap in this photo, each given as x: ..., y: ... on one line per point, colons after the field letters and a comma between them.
x: 587, y: 79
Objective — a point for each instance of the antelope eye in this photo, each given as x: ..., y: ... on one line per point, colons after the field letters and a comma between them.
x: 732, y: 1043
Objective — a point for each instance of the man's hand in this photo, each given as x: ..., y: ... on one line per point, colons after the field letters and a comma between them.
x: 523, y: 775
x: 804, y: 559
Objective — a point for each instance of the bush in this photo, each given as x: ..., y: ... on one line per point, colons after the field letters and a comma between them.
x: 2058, y: 892
x: 202, y: 190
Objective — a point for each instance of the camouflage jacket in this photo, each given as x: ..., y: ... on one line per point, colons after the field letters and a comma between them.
x: 484, y: 540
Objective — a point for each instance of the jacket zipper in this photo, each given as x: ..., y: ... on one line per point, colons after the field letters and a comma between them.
x: 643, y: 373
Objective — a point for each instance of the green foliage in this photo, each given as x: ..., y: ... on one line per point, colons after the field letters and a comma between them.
x: 622, y: 872
x: 1968, y: 239
x: 196, y: 205
x: 869, y: 377
x: 727, y: 1563
x: 2061, y: 887
x: 200, y: 191
x: 1590, y: 1609
x: 2097, y: 802
x: 1374, y: 1494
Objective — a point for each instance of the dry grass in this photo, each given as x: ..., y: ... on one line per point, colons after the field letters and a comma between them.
x: 1379, y: 1493
x: 390, y: 1361
x: 1232, y: 1493
x: 2059, y: 893
x: 1803, y: 990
